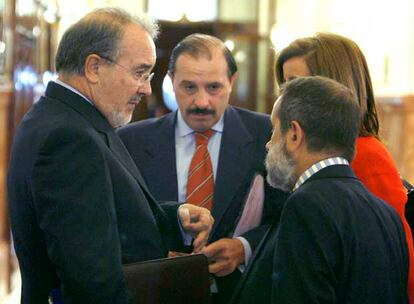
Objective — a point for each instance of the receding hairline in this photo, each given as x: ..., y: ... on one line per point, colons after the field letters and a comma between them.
x: 209, y: 55
x: 203, y: 46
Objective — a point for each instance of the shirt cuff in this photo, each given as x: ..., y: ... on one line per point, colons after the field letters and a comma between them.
x: 247, y: 252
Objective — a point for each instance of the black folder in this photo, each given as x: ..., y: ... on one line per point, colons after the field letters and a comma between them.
x: 181, y: 280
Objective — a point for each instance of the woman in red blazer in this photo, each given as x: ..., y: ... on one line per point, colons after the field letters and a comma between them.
x: 340, y: 58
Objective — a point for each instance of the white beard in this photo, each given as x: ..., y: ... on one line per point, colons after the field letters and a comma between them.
x: 280, y: 167
x: 119, y: 119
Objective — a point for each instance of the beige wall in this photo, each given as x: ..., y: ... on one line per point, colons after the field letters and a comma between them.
x: 385, y: 32
x: 383, y: 29
x: 238, y: 10
x: 73, y: 10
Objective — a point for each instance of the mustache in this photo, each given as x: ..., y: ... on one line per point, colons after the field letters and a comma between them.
x: 201, y: 111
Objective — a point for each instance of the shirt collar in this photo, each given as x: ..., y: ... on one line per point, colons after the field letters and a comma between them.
x: 63, y: 84
x: 319, y: 166
x: 184, y: 130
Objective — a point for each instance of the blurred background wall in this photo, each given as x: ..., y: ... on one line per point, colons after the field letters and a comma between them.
x: 252, y: 29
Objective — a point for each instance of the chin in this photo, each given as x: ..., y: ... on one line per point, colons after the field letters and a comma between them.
x: 201, y: 126
x: 118, y: 120
x: 201, y: 129
x: 278, y: 183
x: 198, y: 127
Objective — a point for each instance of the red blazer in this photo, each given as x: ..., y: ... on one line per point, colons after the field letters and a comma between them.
x: 374, y: 166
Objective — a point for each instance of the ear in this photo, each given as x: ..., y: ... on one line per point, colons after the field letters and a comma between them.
x: 295, y: 137
x: 92, y: 68
x: 171, y: 75
x: 233, y: 79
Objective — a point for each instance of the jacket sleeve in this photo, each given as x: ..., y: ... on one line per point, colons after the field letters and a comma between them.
x: 178, y: 235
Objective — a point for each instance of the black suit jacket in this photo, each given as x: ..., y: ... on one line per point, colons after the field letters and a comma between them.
x: 79, y: 207
x: 336, y: 243
x: 151, y: 144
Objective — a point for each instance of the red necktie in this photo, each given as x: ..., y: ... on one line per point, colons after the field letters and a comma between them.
x: 200, y: 182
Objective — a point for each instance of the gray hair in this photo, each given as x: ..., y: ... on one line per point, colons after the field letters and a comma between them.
x: 326, y: 110
x: 99, y: 32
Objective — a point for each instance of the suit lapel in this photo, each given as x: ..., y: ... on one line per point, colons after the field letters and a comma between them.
x: 234, y: 161
x: 120, y: 151
x: 118, y: 148
x: 160, y: 148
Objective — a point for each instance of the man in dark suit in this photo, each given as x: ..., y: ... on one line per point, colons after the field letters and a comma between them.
x: 335, y: 242
x: 203, y: 72
x: 79, y: 207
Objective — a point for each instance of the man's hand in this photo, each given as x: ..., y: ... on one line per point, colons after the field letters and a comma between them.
x: 198, y: 222
x: 224, y: 256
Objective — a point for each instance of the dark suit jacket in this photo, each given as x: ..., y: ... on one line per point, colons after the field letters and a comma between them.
x: 151, y: 144
x: 336, y: 243
x: 79, y: 207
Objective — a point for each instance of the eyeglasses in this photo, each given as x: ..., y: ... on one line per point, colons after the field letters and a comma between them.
x: 139, y: 76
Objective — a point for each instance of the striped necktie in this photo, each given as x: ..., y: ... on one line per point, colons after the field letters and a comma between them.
x: 200, y: 182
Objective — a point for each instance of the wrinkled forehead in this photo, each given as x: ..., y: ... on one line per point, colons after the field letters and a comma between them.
x: 202, y: 68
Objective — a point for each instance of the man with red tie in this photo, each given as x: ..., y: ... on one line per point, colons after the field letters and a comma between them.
x: 207, y: 152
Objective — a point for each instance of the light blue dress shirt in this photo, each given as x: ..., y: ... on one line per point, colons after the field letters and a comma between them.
x: 184, y: 149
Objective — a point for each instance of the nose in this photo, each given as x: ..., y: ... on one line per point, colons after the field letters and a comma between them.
x: 268, y: 144
x: 145, y: 88
x: 202, y: 99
